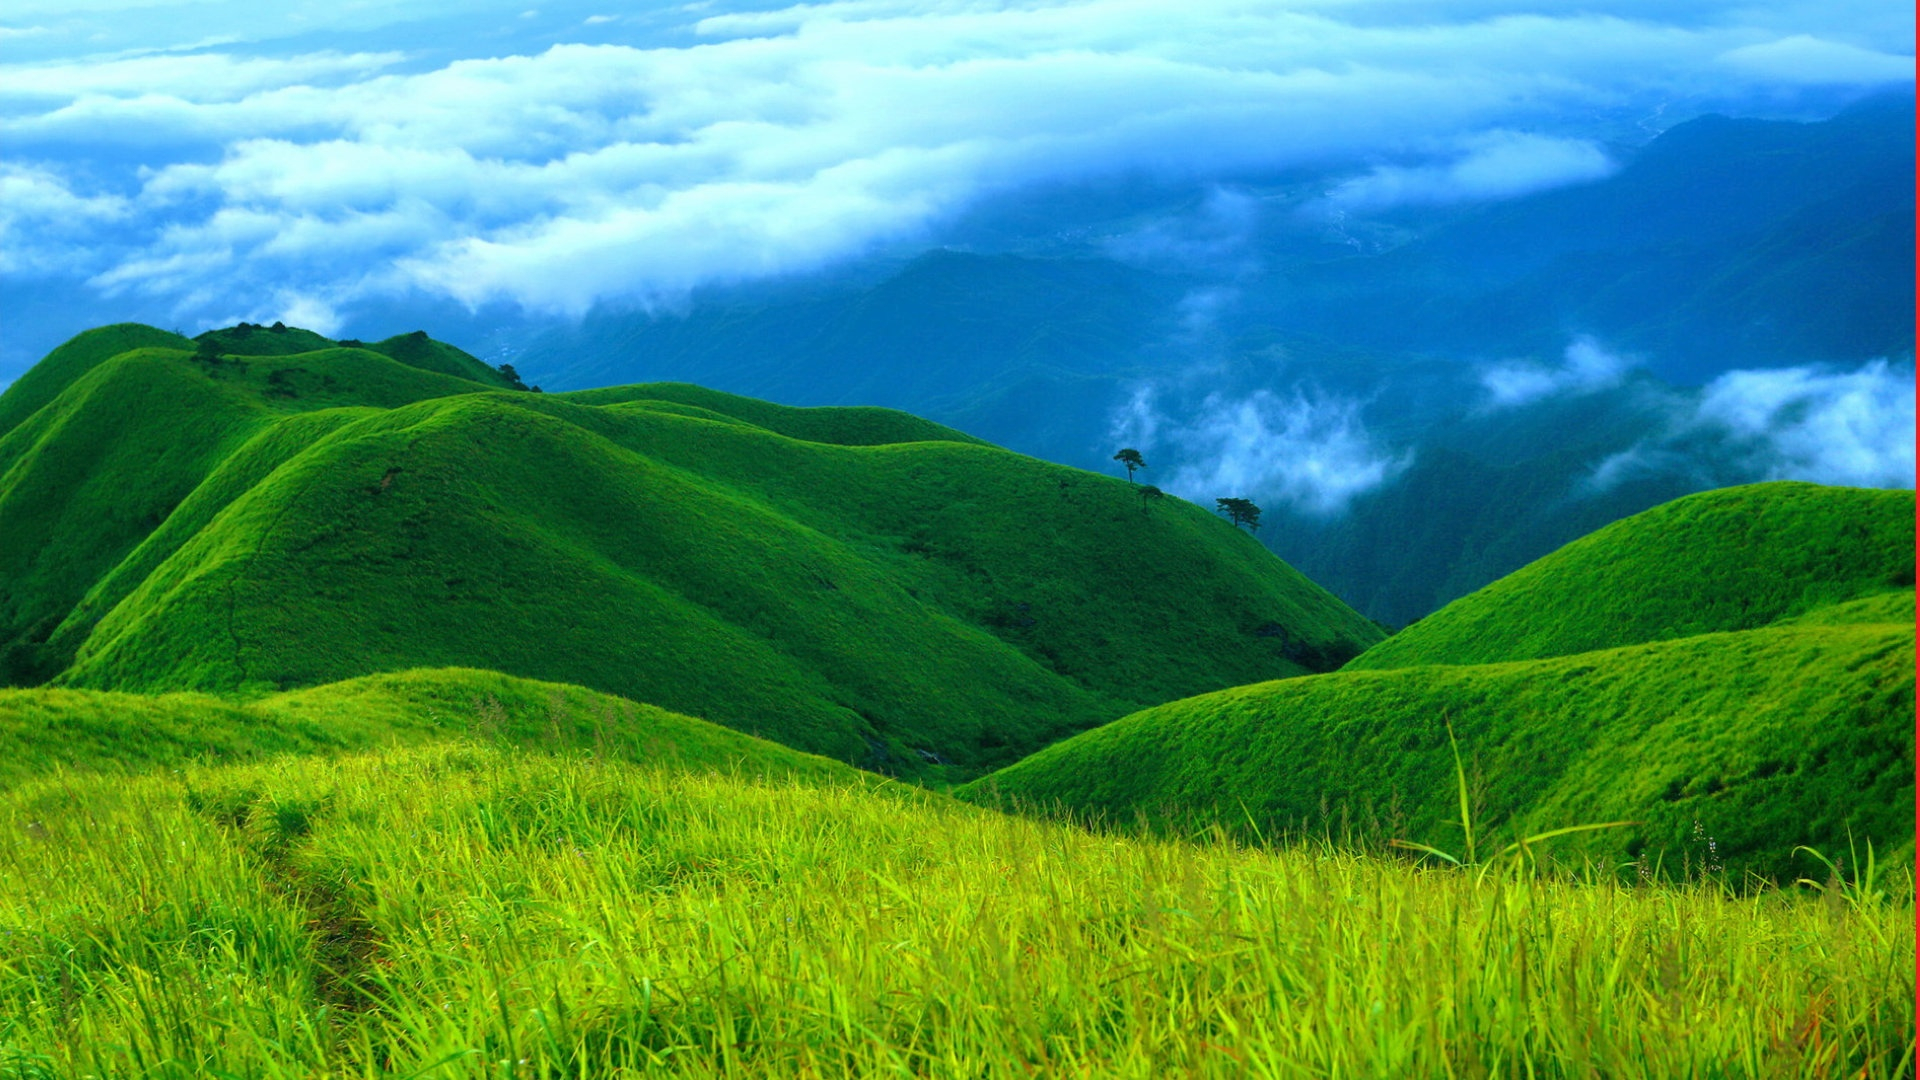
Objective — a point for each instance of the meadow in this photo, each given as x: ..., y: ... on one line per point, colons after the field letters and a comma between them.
x: 323, y: 753
x: 473, y: 909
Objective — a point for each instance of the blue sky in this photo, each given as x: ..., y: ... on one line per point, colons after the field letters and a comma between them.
x: 199, y: 163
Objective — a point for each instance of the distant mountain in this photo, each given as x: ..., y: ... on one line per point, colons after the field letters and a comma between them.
x: 1768, y: 703
x: 1721, y: 244
x: 229, y: 516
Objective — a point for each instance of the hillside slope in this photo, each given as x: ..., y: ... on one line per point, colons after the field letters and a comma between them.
x: 1736, y: 665
x: 854, y: 582
x: 1732, y: 559
x: 46, y: 730
x: 119, y: 442
x: 1758, y: 740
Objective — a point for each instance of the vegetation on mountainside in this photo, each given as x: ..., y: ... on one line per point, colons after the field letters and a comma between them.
x: 850, y: 425
x: 125, y: 440
x: 849, y: 581
x: 48, y: 732
x: 462, y: 911
x: 1732, y: 559
x: 43, y: 382
x: 1760, y: 740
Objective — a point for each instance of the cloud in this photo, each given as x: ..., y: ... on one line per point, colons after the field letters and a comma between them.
x: 1586, y: 367
x: 1214, y: 238
x: 1802, y: 58
x: 204, y: 77
x: 43, y: 220
x: 1495, y: 165
x: 1831, y: 426
x: 764, y: 143
x: 1304, y: 450
x: 1805, y: 423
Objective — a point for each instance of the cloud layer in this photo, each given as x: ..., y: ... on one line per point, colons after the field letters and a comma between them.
x: 1586, y: 367
x: 1307, y: 451
x: 1853, y: 427
x: 556, y: 176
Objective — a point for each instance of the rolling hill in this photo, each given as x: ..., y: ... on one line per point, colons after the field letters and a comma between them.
x: 50, y: 731
x: 1732, y: 559
x: 853, y: 582
x: 1764, y: 703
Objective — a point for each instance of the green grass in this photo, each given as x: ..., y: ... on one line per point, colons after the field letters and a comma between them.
x: 843, y: 425
x: 852, y: 582
x: 44, y: 381
x: 1726, y: 748
x: 48, y: 732
x: 461, y: 911
x: 98, y: 467
x: 1732, y: 559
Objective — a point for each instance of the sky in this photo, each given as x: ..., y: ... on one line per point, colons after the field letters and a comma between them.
x: 194, y: 163
x: 198, y: 163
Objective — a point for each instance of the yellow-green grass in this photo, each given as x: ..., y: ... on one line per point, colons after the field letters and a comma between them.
x: 48, y: 731
x: 853, y: 582
x: 1732, y: 559
x: 462, y: 911
x: 1726, y: 750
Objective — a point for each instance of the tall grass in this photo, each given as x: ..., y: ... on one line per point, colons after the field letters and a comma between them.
x: 461, y: 911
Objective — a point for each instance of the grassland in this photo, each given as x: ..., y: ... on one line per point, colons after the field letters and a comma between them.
x: 1732, y: 559
x: 319, y: 842
x: 48, y: 732
x: 854, y: 582
x: 1761, y: 741
x: 461, y: 910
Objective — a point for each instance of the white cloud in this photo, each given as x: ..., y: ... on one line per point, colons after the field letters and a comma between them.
x: 1305, y: 450
x: 43, y: 222
x: 1821, y: 424
x: 1802, y: 58
x: 204, y: 77
x: 1804, y: 423
x: 1585, y: 368
x: 784, y: 140
x: 1213, y: 238
x: 1495, y: 165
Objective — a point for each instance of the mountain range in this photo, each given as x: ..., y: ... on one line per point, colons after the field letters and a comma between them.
x: 1155, y: 318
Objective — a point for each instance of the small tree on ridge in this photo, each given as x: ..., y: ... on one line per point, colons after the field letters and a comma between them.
x: 1132, y: 460
x: 1240, y: 512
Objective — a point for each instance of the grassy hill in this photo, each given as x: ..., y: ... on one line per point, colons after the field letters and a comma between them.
x: 1760, y: 740
x: 468, y: 911
x: 1732, y: 559
x: 854, y: 582
x: 48, y: 731
x: 1737, y: 666
x: 105, y: 448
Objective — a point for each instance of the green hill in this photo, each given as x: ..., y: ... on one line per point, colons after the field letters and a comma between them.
x: 45, y: 730
x: 119, y: 442
x: 1732, y: 559
x: 43, y: 382
x: 1736, y: 665
x: 854, y: 582
x: 1760, y: 740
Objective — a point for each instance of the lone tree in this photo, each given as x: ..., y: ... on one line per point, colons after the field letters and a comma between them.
x: 506, y: 372
x: 1132, y: 460
x: 1150, y: 495
x: 1240, y: 512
